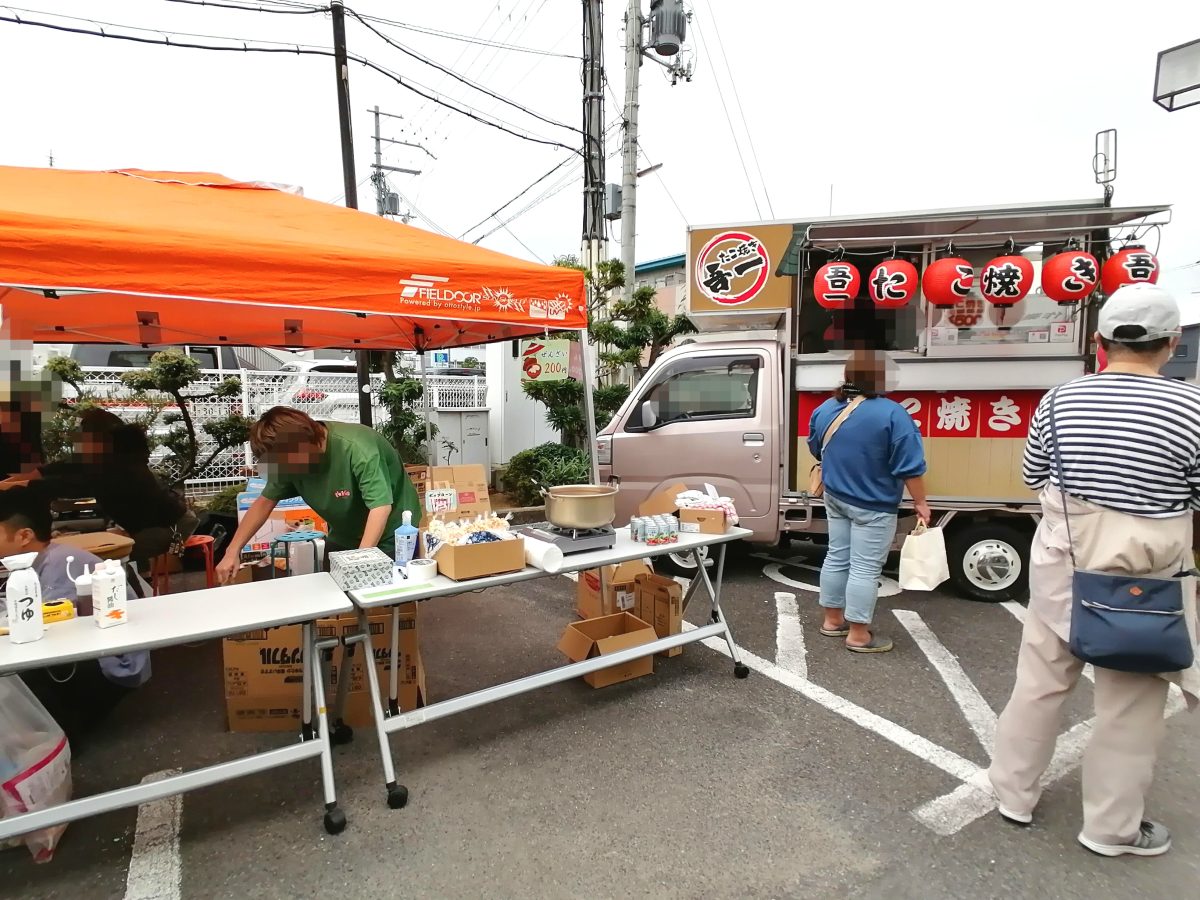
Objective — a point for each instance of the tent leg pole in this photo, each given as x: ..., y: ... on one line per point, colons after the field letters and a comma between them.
x: 362, y: 360
x: 430, y: 452
x: 589, y: 406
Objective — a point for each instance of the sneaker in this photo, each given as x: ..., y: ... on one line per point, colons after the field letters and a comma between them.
x: 1152, y: 840
x: 1015, y: 817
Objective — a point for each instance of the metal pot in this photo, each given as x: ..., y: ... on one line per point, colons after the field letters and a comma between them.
x: 581, y: 505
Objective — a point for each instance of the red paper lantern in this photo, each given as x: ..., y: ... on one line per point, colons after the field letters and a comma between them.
x: 893, y: 283
x: 1006, y: 280
x: 948, y: 281
x: 1070, y: 276
x: 836, y: 284
x: 1132, y: 265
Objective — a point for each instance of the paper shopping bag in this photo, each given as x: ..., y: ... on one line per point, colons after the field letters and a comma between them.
x: 923, y: 563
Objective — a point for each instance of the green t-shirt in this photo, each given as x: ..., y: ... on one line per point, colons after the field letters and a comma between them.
x: 360, y: 471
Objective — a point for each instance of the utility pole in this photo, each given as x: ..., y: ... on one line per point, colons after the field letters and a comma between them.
x: 668, y: 26
x: 386, y: 204
x: 341, y: 64
x: 593, y: 246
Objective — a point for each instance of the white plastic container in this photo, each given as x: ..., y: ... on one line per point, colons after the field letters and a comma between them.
x: 23, y: 599
x: 108, y: 595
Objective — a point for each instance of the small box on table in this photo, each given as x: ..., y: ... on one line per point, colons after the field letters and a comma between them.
x: 701, y: 521
x: 366, y: 567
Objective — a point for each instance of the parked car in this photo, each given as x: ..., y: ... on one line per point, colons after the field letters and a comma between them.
x: 325, y: 389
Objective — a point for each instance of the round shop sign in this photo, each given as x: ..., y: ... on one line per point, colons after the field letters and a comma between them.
x: 732, y: 268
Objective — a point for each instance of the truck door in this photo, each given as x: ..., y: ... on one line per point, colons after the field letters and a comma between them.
x: 703, y: 418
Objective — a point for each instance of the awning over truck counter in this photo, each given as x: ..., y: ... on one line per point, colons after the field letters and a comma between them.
x: 966, y: 227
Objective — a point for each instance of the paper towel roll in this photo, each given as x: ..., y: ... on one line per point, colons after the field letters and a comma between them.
x: 543, y: 555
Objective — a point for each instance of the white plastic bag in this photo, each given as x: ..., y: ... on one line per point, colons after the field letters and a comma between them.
x: 923, y: 563
x: 35, y: 763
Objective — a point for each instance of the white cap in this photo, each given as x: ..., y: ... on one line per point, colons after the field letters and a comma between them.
x: 1139, y: 306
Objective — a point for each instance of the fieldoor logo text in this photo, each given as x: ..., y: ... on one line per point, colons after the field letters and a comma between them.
x: 417, y: 282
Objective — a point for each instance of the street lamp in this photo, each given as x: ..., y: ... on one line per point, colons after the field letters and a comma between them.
x: 1177, y: 77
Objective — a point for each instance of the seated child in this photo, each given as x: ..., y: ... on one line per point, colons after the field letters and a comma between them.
x: 79, y: 696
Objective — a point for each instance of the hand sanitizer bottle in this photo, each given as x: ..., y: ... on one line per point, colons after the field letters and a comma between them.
x: 406, y: 540
x: 23, y: 599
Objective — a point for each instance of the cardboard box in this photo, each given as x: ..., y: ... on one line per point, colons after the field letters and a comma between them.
x: 263, y: 672
x: 702, y: 521
x: 662, y: 503
x: 461, y: 492
x: 620, y: 583
x: 660, y: 602
x: 608, y: 634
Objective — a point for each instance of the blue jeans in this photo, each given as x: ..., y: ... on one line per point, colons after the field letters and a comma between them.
x: 859, y: 541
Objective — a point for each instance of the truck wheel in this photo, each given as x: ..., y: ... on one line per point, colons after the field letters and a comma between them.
x: 989, y: 562
x: 680, y: 563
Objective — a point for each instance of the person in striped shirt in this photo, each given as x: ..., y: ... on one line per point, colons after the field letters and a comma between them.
x: 1129, y: 440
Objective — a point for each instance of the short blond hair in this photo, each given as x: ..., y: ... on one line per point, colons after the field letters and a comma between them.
x: 282, y: 424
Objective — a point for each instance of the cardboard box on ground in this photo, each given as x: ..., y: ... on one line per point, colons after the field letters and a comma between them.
x: 263, y: 672
x: 461, y: 492
x: 608, y: 634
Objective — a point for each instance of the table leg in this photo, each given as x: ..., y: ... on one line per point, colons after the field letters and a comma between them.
x: 740, y: 669
x: 394, y: 672
x: 397, y: 794
x: 314, y: 674
x: 343, y: 733
x: 306, y: 727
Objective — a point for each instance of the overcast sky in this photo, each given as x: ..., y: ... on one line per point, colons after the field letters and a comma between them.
x: 898, y: 106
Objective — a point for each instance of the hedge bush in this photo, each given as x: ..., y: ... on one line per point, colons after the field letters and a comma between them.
x: 548, y: 465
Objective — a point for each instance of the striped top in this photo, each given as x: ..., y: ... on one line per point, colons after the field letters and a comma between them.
x: 1130, y: 443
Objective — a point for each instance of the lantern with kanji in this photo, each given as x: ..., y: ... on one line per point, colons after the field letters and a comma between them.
x: 1132, y: 265
x: 947, y: 282
x: 1006, y: 280
x: 893, y: 283
x: 1070, y: 276
x: 836, y: 284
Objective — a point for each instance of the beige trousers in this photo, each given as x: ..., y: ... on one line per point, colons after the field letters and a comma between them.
x: 1118, y: 765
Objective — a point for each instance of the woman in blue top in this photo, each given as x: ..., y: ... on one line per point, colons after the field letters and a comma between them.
x: 874, y: 454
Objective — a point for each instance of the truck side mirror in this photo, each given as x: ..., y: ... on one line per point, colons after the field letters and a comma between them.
x: 649, y: 416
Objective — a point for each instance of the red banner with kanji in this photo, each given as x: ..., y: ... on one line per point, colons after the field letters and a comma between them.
x: 966, y: 414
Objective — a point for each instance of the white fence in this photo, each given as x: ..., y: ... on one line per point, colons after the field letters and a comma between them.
x: 332, y: 397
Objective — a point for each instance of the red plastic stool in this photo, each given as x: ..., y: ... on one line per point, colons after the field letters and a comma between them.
x: 204, y: 543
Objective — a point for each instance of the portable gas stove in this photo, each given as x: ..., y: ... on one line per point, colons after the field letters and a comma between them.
x: 571, y: 540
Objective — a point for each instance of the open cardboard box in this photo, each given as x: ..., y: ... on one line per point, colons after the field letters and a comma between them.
x: 691, y: 521
x: 461, y: 492
x: 608, y: 634
x: 618, y: 596
x: 659, y: 601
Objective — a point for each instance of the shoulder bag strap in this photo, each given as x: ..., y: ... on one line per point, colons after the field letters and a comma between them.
x: 1057, y: 466
x: 838, y: 422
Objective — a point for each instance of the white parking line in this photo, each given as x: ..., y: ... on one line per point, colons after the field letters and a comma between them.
x: 979, y: 715
x: 155, y: 871
x: 790, y: 652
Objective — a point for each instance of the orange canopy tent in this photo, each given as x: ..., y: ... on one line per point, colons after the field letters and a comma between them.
x: 135, y: 257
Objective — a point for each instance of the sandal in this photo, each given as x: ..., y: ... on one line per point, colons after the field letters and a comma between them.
x: 840, y: 631
x: 875, y: 645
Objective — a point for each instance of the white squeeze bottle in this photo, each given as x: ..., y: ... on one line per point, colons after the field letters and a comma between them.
x: 108, y: 594
x: 23, y: 599
x: 406, y: 540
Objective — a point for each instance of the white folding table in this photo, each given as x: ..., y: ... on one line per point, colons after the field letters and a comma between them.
x: 625, y: 550
x: 181, y: 619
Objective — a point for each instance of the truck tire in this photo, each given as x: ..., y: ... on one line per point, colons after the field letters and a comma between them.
x: 989, y: 561
x: 679, y: 563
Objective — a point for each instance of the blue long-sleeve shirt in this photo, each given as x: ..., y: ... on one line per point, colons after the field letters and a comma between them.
x: 872, y: 453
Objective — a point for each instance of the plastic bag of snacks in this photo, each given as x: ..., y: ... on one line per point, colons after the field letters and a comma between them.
x: 35, y: 763
x: 483, y: 529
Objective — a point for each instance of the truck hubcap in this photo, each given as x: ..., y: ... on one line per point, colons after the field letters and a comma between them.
x: 992, y: 565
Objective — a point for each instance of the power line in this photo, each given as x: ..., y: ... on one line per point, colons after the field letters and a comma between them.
x: 741, y: 109
x: 296, y: 49
x: 460, y: 78
x: 521, y: 194
x: 289, y: 10
x: 736, y: 144
x: 450, y: 35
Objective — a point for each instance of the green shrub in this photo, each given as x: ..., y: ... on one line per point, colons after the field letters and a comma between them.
x: 225, y: 503
x: 547, y: 465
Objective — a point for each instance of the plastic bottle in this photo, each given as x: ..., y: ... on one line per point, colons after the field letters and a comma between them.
x: 406, y: 540
x: 23, y: 599
x: 83, y: 587
x: 108, y: 595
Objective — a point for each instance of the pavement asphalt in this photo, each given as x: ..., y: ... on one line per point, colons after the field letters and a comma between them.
x: 688, y: 783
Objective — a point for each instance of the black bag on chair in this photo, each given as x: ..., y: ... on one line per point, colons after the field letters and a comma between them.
x: 1130, y: 623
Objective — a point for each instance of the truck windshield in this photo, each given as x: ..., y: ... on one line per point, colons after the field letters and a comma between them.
x: 716, y: 387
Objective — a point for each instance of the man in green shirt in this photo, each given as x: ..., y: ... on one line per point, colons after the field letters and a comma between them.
x: 348, y: 474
